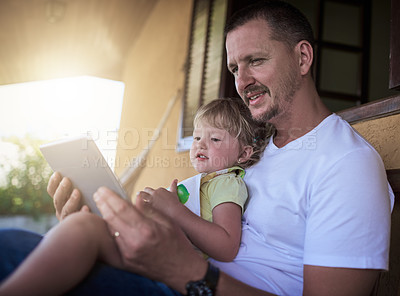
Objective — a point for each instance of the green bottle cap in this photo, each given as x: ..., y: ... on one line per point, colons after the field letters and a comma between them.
x: 183, y: 193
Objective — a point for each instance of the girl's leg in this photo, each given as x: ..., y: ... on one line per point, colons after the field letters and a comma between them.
x: 64, y: 257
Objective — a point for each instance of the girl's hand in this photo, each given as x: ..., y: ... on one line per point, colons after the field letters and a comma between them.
x: 164, y: 200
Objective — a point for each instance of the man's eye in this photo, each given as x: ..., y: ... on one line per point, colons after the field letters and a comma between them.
x: 234, y: 70
x: 256, y: 62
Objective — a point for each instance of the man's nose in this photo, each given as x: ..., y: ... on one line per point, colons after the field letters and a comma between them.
x: 243, y: 79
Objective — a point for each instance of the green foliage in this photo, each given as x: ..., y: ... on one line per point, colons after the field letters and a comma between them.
x: 25, y: 192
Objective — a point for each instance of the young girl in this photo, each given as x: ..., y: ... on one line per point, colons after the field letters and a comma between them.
x: 224, y: 137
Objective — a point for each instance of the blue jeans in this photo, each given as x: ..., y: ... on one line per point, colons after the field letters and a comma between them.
x: 16, y: 244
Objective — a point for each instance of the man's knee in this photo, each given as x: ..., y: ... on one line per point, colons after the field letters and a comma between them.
x: 18, y: 239
x: 15, y: 246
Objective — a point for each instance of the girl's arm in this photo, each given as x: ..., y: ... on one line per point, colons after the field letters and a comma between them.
x: 219, y: 239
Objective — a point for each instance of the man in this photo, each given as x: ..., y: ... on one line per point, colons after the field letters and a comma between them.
x: 318, y: 219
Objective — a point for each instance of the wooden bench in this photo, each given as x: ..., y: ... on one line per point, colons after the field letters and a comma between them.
x: 379, y: 123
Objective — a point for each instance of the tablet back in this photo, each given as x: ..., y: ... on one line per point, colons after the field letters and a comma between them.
x: 80, y: 160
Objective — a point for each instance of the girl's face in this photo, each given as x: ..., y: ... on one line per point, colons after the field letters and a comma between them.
x: 213, y: 149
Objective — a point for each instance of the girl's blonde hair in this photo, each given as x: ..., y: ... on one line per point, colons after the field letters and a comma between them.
x: 232, y: 115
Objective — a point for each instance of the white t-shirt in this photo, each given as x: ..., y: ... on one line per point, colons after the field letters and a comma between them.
x: 323, y: 200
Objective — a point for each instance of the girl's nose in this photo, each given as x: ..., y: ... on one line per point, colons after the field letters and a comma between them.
x: 202, y: 143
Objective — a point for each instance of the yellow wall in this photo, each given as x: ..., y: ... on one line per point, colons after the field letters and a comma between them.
x: 153, y: 74
x: 383, y: 134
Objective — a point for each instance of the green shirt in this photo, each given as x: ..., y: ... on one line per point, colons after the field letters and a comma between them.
x: 220, y: 187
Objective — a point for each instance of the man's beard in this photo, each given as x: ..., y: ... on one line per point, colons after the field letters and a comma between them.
x: 288, y: 86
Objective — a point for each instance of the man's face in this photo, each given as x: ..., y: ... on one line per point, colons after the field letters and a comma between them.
x: 266, y: 72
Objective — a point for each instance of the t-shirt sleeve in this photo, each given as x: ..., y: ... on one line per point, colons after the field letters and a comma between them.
x: 227, y: 188
x: 348, y: 220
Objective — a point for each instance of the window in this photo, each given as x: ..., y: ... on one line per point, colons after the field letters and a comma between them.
x: 394, y: 81
x: 51, y: 109
x: 204, y: 64
x: 346, y: 50
x: 343, y: 35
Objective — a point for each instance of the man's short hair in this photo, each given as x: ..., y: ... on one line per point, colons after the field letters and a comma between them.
x: 287, y: 23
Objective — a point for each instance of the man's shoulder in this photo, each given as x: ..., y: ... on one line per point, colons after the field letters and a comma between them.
x: 339, y: 135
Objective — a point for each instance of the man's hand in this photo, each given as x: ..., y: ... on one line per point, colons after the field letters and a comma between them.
x: 66, y: 199
x: 151, y: 244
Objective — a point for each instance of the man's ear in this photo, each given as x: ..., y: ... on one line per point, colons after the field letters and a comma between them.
x: 305, y: 50
x: 247, y: 152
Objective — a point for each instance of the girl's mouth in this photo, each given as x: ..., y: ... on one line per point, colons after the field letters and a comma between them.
x: 201, y: 156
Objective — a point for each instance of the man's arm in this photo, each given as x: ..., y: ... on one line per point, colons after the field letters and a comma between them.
x: 348, y: 223
x: 326, y: 281
x: 232, y: 287
x: 152, y: 245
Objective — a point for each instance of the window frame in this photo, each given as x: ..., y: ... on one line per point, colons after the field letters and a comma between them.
x: 203, y: 74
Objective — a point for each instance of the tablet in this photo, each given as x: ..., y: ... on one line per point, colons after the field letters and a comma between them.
x: 79, y: 159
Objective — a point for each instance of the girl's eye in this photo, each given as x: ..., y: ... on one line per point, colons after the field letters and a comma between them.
x: 196, y: 138
x: 215, y: 140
